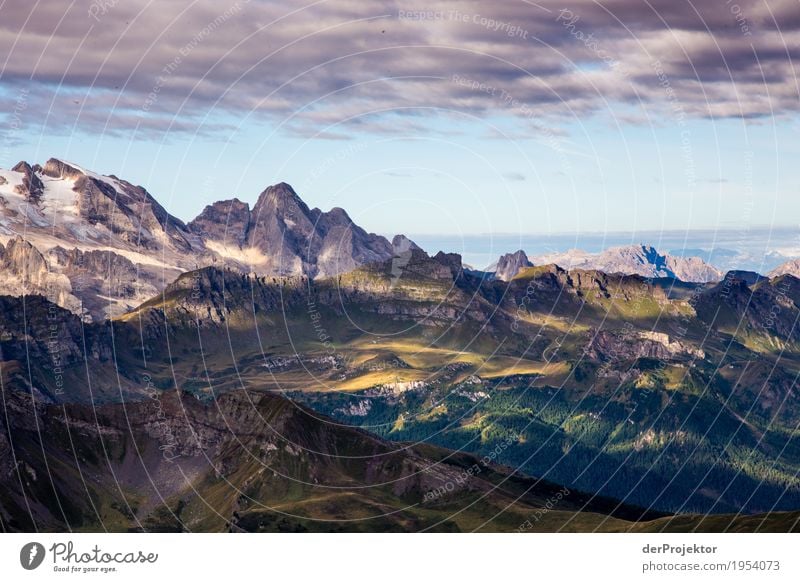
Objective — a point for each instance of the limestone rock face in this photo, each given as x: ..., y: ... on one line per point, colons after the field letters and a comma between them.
x: 108, y: 284
x: 692, y: 269
x: 620, y: 346
x: 510, y: 264
x: 129, y: 212
x: 24, y: 271
x: 54, y: 168
x: 302, y: 241
x: 788, y: 268
x: 227, y: 221
x: 32, y: 187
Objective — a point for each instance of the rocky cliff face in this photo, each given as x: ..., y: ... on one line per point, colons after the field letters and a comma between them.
x: 95, y: 245
x: 25, y: 271
x: 543, y: 282
x: 282, y: 236
x: 105, y: 282
x: 128, y: 211
x: 31, y: 187
x: 619, y: 346
x: 226, y: 222
x: 510, y: 264
x: 304, y: 241
x: 788, y: 268
x: 217, y: 296
x: 691, y: 269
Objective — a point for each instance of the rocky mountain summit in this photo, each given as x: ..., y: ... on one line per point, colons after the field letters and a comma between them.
x: 788, y: 268
x: 282, y: 236
x: 510, y: 264
x: 99, y: 245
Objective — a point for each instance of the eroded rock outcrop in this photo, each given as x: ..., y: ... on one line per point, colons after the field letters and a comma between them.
x: 509, y: 265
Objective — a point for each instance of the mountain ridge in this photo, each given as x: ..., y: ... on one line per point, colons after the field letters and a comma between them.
x: 791, y: 267
x: 641, y: 259
x: 67, y: 213
x: 77, y: 220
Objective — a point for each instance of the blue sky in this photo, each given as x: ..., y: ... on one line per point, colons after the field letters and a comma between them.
x: 597, y: 177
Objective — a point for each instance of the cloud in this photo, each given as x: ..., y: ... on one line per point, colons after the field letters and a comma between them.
x: 514, y: 176
x: 335, y: 68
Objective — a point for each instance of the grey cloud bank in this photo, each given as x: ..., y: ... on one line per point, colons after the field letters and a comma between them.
x: 341, y: 62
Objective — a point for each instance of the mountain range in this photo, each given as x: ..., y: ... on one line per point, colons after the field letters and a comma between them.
x: 280, y: 369
x: 100, y: 245
x: 641, y: 260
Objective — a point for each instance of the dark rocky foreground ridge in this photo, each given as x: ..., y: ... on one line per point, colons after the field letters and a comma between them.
x: 253, y: 462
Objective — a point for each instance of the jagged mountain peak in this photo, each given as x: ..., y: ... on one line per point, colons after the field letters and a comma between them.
x: 282, y: 189
x: 22, y: 166
x: 510, y: 264
x: 63, y: 207
x: 56, y: 168
x: 338, y: 215
x: 226, y: 221
x: 402, y: 244
x: 788, y: 268
x: 68, y: 214
x: 280, y: 196
x: 295, y: 240
x: 641, y: 251
x: 23, y: 255
x: 31, y: 186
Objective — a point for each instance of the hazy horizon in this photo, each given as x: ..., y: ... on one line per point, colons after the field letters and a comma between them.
x: 759, y: 250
